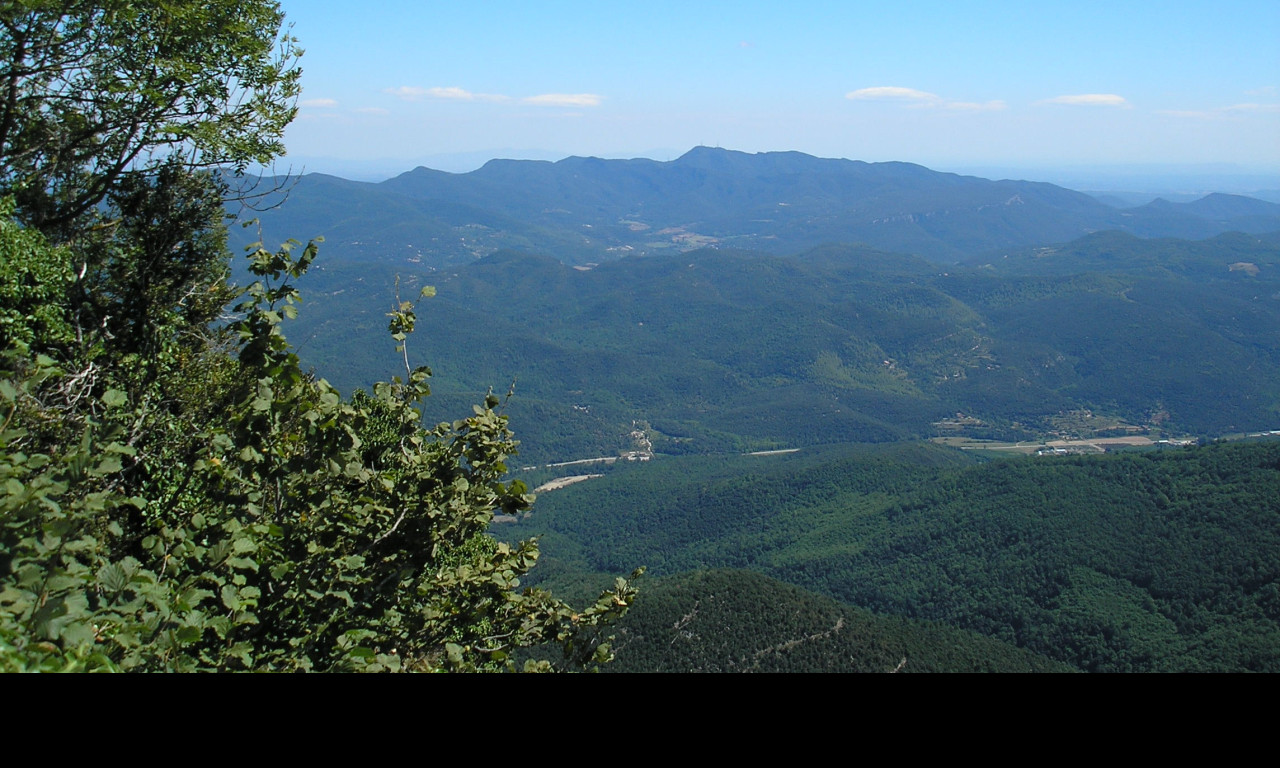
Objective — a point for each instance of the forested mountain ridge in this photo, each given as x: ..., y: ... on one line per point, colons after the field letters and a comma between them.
x: 586, y: 209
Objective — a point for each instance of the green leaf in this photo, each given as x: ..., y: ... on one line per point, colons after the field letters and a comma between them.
x: 113, y: 578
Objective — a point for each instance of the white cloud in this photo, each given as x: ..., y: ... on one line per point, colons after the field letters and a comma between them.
x: 564, y: 100
x: 320, y: 103
x: 1252, y: 107
x: 1089, y: 100
x: 891, y: 93
x: 407, y: 92
x: 1219, y: 113
x: 449, y: 93
x: 414, y: 93
x: 914, y: 98
x: 1266, y: 90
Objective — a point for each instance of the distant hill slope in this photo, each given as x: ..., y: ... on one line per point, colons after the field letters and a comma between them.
x: 1206, y: 217
x: 590, y: 210
x: 1157, y: 561
x: 1210, y: 259
x: 740, y: 621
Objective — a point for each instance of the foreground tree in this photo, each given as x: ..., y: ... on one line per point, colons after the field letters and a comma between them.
x: 296, y: 532
x: 177, y: 494
x: 91, y: 92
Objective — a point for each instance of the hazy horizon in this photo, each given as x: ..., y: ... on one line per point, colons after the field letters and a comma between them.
x: 959, y: 85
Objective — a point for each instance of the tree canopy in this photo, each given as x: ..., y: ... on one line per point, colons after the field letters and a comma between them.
x: 93, y: 91
x: 176, y: 492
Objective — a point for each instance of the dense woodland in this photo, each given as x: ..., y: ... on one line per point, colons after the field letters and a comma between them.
x: 218, y: 463
x: 714, y: 351
x: 1149, y: 561
x: 742, y: 621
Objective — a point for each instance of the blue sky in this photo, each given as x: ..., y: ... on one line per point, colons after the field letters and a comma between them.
x: 390, y: 84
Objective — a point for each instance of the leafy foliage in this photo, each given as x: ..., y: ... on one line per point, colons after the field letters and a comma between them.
x: 263, y: 539
x: 96, y: 90
x: 178, y: 494
x: 32, y: 278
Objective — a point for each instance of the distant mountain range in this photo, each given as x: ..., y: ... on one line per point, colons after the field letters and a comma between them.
x: 585, y: 210
x: 776, y: 333
x: 617, y: 299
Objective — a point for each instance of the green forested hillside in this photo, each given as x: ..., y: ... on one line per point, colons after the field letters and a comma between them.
x: 1155, y: 561
x: 742, y: 621
x: 716, y: 350
x: 1210, y: 259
